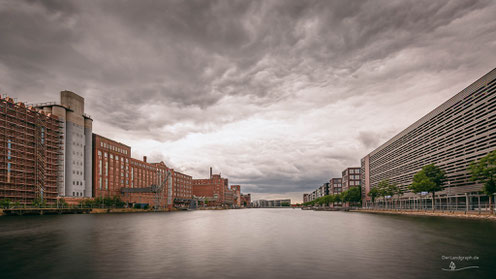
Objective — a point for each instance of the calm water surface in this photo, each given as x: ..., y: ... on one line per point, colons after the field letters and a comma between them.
x: 248, y: 243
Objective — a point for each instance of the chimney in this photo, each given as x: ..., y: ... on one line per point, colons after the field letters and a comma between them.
x: 210, y: 172
x: 144, y: 159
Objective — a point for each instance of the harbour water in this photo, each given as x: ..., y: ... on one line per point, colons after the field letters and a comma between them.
x: 246, y: 243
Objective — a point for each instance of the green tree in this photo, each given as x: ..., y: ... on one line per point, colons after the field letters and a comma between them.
x: 63, y: 203
x: 38, y: 202
x: 429, y: 179
x: 117, y: 202
x: 5, y: 203
x: 354, y: 194
x: 398, y: 192
x: 343, y: 196
x: 373, y: 194
x: 385, y: 189
x: 484, y: 171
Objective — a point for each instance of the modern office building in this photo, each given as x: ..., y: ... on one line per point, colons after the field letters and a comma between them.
x: 351, y: 178
x: 272, y: 203
x: 77, y: 146
x: 453, y: 135
x: 31, y: 144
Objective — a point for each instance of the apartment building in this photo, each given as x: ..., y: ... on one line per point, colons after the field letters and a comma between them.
x: 351, y: 177
x: 335, y: 186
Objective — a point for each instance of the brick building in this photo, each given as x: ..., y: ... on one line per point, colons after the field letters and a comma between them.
x: 30, y: 153
x: 215, y: 189
x: 116, y: 173
x: 237, y: 195
x: 335, y: 186
x: 351, y: 177
x: 111, y: 164
x: 182, y: 188
x: 245, y: 200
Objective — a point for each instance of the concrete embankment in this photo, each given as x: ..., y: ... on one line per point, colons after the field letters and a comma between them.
x: 44, y: 211
x: 456, y: 214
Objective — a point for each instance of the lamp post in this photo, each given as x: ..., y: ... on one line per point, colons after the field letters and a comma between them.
x: 449, y: 195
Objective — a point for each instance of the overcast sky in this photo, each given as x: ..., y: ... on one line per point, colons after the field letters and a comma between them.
x: 278, y: 96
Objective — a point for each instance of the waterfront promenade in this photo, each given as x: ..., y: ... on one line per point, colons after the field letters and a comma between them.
x: 439, y: 213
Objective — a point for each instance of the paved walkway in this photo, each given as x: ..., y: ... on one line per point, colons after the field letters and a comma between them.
x: 457, y: 214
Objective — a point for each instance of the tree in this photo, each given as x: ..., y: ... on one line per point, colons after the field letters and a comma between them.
x: 398, y: 191
x: 484, y: 171
x: 429, y: 179
x: 373, y: 193
x: 38, y: 202
x: 5, y: 203
x: 386, y: 189
x: 354, y: 194
x: 63, y: 203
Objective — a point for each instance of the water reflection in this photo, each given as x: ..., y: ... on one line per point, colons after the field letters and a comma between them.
x: 251, y: 243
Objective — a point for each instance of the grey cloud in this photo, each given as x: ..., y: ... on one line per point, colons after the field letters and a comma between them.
x: 145, y: 66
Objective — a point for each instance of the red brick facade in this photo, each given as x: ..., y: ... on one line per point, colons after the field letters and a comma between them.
x: 236, y: 194
x: 111, y: 162
x: 117, y: 174
x: 213, y: 188
x: 245, y: 200
x: 351, y: 177
x: 182, y: 186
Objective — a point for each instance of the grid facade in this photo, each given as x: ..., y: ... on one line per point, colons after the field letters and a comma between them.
x: 30, y: 153
x: 459, y: 131
x: 351, y: 178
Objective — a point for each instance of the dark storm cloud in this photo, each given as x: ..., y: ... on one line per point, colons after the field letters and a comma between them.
x: 170, y: 71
